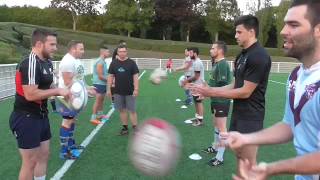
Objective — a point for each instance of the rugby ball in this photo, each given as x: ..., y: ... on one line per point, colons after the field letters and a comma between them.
x: 155, y: 148
x: 79, y: 96
x: 181, y: 79
x: 157, y: 76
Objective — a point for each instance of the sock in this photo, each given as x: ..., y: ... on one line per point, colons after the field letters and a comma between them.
x: 40, y: 178
x: 93, y: 116
x: 53, y: 104
x: 125, y: 127
x: 215, y: 136
x: 100, y: 113
x: 71, y: 141
x: 220, y: 150
x: 64, y: 138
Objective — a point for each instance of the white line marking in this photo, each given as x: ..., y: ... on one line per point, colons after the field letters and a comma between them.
x: 59, y: 174
x: 277, y: 82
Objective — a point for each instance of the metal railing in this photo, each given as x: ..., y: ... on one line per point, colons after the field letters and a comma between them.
x: 7, y: 71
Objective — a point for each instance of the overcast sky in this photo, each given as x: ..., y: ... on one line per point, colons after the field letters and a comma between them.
x: 44, y: 3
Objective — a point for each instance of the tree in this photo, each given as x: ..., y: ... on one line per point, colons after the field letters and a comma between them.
x: 77, y: 8
x: 220, y: 14
x: 146, y: 15
x: 280, y: 14
x: 266, y: 20
x: 190, y: 18
x: 122, y: 15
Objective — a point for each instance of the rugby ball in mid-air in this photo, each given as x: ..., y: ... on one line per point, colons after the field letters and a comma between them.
x: 155, y: 148
x: 157, y: 76
x: 181, y: 79
x: 79, y: 96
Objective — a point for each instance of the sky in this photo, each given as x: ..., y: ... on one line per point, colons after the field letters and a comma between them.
x: 44, y: 3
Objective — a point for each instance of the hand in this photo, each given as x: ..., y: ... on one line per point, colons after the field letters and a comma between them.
x: 92, y: 91
x: 135, y: 92
x: 202, y: 90
x: 234, y: 140
x: 65, y: 92
x: 251, y: 173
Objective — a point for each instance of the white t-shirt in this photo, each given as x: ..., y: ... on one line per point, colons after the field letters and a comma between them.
x: 73, y: 65
x: 188, y: 72
x: 108, y: 61
x: 197, y: 65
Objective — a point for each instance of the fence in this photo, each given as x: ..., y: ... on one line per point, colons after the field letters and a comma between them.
x: 7, y: 71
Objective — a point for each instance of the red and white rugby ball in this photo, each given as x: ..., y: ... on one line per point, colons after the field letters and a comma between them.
x: 155, y: 149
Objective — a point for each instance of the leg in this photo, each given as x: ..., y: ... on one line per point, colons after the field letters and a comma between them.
x: 131, y: 106
x: 124, y: 116
x: 29, y: 161
x: 134, y: 118
x: 43, y: 157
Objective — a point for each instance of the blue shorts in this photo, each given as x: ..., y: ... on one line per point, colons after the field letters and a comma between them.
x: 65, y: 112
x: 29, y: 129
x: 101, y: 89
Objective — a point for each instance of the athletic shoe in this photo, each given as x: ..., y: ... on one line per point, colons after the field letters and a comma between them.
x: 95, y: 121
x: 197, y: 123
x: 215, y: 162
x: 123, y: 132
x: 76, y: 147
x: 67, y: 156
x: 210, y: 150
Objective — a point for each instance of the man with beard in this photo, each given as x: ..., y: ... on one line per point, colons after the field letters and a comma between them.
x: 252, y: 67
x: 220, y: 76
x: 29, y: 120
x: 301, y: 121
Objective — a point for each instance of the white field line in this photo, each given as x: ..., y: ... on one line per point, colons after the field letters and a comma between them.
x: 277, y: 82
x: 65, y: 167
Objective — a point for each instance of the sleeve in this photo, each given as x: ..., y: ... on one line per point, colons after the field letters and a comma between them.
x: 257, y: 65
x: 197, y: 66
x: 135, y: 68
x: 67, y: 66
x: 111, y: 68
x: 222, y: 72
x: 30, y: 71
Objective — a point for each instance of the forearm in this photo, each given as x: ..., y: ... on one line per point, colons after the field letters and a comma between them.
x: 276, y: 134
x: 136, y: 82
x: 307, y: 164
x: 109, y: 82
x: 102, y: 78
x: 39, y: 94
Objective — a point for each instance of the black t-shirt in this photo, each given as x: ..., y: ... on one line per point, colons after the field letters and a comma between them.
x: 123, y: 72
x: 32, y: 71
x: 252, y: 64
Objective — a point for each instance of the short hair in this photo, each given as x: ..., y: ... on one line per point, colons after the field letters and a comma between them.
x: 121, y: 46
x: 195, y: 50
x: 103, y: 46
x: 40, y: 34
x: 313, y: 12
x: 249, y: 22
x: 221, y: 45
x: 73, y: 44
x: 188, y: 48
x: 122, y: 42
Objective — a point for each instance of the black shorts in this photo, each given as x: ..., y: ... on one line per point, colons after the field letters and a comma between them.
x: 196, y: 99
x: 29, y: 129
x: 220, y: 110
x: 246, y: 126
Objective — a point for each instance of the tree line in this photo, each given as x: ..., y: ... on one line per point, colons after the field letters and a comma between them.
x: 181, y: 20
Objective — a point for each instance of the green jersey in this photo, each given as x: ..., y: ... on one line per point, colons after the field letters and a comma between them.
x: 220, y: 76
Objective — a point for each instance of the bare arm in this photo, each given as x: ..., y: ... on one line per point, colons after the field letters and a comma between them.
x: 110, y: 81
x: 276, y: 134
x: 184, y: 67
x: 67, y: 78
x: 306, y: 164
x: 136, y: 84
x: 32, y: 93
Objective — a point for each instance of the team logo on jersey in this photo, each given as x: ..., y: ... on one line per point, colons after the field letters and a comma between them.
x: 44, y: 71
x: 311, y: 90
x: 121, y: 69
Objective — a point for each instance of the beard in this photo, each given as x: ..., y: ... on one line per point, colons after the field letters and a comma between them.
x: 46, y: 54
x: 302, y: 46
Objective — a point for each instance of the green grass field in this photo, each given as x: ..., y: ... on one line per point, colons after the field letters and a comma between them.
x: 106, y: 157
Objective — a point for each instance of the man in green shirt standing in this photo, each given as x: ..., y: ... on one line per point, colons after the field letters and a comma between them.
x: 100, y: 73
x: 219, y: 76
